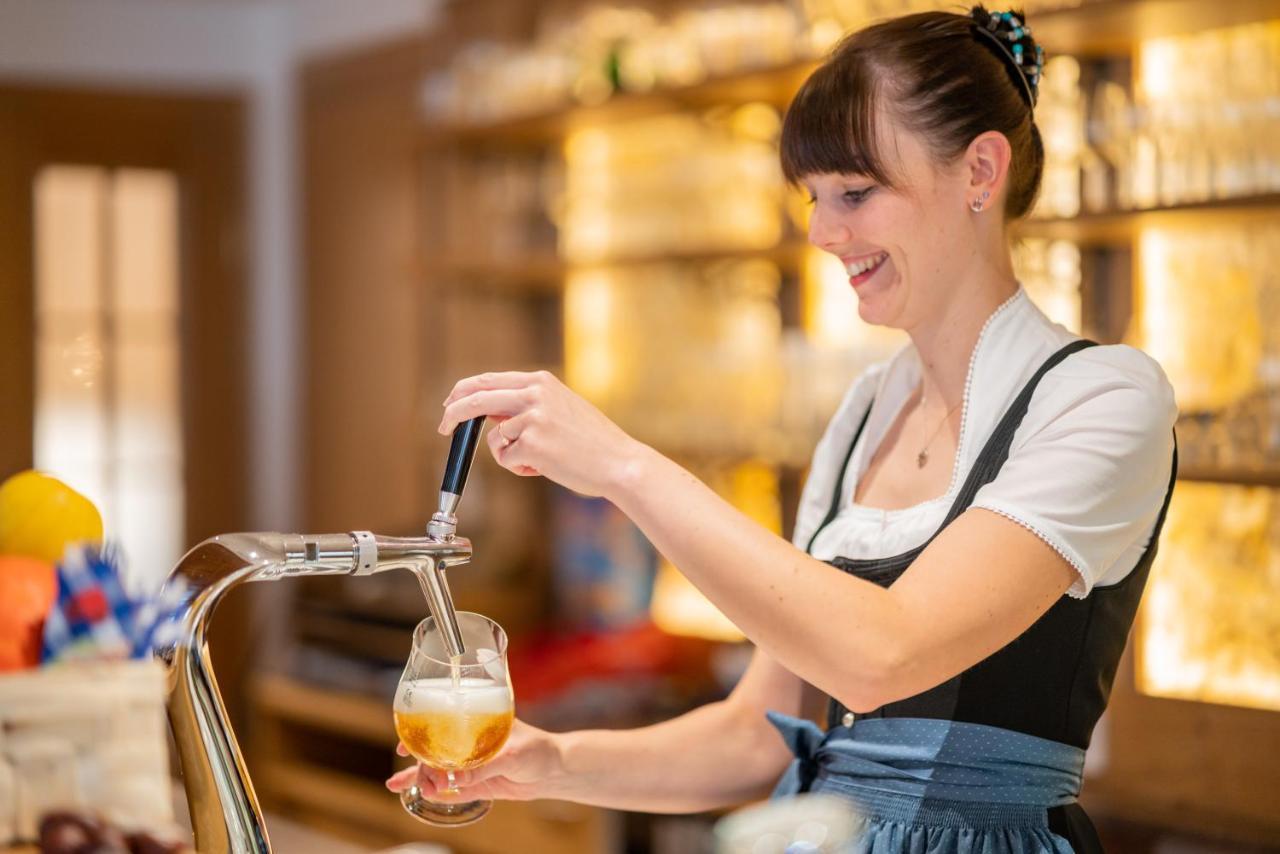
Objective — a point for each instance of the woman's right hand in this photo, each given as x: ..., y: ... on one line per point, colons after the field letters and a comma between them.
x: 525, y: 769
x: 542, y: 427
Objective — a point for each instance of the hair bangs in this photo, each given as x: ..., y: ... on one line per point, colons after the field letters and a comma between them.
x: 942, y: 77
x: 831, y: 127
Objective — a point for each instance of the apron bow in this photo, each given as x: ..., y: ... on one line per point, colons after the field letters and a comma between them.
x: 805, y: 739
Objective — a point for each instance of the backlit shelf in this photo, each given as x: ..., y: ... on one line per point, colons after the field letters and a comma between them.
x: 1119, y: 228
x: 1093, y: 29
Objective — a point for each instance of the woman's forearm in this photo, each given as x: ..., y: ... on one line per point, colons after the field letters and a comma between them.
x: 715, y: 756
x: 785, y: 601
x: 975, y: 588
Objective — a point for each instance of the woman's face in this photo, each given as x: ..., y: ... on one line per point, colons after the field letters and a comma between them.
x: 901, y: 247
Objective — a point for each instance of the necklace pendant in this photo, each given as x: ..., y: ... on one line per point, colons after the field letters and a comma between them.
x: 921, y: 459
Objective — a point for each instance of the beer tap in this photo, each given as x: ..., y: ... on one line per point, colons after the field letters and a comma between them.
x: 225, y: 815
x: 444, y: 524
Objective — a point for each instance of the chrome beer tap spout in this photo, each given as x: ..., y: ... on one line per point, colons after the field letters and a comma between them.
x: 225, y: 815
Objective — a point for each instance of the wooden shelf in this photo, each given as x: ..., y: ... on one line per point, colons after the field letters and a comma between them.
x: 1115, y: 27
x: 1094, y: 29
x: 1116, y: 228
x: 370, y: 639
x: 771, y: 85
x: 532, y: 273
x: 1121, y: 227
x: 543, y: 274
x: 364, y: 718
x: 1230, y: 476
x: 362, y: 807
x: 787, y: 254
x: 328, y: 796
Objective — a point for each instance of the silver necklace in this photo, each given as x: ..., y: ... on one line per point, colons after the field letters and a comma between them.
x: 922, y: 458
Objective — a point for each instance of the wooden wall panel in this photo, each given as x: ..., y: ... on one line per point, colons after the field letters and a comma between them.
x: 1199, y: 767
x: 17, y: 342
x: 362, y: 335
x: 387, y: 333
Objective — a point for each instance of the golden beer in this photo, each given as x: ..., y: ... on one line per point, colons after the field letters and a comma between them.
x: 450, y: 727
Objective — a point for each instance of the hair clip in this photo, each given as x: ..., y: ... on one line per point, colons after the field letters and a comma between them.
x: 1006, y: 31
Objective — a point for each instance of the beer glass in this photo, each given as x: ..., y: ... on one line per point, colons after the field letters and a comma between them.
x: 454, y: 715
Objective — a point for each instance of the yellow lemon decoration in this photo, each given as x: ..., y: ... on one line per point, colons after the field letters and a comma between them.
x: 40, y: 516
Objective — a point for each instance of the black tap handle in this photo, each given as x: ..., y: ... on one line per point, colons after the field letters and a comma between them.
x: 466, y: 438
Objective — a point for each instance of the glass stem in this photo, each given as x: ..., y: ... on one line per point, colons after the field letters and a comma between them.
x: 453, y: 784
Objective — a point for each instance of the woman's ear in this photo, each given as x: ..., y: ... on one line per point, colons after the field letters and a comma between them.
x: 987, y: 163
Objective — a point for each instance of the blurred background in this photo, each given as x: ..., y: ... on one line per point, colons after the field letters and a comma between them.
x: 247, y: 246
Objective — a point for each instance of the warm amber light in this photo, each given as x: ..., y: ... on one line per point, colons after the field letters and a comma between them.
x: 678, y: 607
x: 1205, y: 114
x: 1210, y: 626
x: 1060, y: 116
x: 1049, y: 271
x: 684, y: 357
x: 677, y: 182
x: 590, y: 358
x: 1200, y: 314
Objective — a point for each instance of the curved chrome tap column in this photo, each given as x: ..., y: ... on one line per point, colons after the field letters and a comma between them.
x: 224, y: 809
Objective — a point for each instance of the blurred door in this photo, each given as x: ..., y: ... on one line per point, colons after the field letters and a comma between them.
x: 122, y: 333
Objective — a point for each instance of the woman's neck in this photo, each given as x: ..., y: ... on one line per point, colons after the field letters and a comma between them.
x: 945, y: 343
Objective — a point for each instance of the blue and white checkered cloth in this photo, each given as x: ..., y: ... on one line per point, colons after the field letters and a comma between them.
x: 95, y: 617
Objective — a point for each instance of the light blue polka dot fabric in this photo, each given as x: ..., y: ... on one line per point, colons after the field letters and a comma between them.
x: 928, y: 786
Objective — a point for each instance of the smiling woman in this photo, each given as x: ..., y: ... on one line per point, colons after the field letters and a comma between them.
x: 980, y: 515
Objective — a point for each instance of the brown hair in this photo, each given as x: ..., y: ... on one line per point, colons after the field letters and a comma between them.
x: 938, y: 76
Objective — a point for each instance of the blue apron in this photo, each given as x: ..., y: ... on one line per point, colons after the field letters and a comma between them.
x: 936, y: 787
x: 991, y: 761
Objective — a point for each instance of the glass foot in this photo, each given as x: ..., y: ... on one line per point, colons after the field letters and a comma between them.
x: 443, y: 815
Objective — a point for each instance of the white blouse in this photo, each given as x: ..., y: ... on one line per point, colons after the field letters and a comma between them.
x: 1087, y: 471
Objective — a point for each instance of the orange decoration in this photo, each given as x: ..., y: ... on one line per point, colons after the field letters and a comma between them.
x: 28, y: 588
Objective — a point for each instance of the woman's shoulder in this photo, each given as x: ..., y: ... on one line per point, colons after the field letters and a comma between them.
x: 1089, y: 466
x: 1106, y: 382
x: 1093, y: 369
x: 1096, y: 370
x: 1120, y: 361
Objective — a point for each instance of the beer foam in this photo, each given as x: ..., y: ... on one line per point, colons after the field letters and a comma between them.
x: 472, y: 696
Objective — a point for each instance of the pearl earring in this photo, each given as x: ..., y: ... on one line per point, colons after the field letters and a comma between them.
x: 976, y: 204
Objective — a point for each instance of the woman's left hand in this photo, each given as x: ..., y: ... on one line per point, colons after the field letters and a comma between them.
x: 540, y: 427
x: 529, y: 766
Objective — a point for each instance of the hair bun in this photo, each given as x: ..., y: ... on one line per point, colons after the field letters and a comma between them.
x: 1010, y: 35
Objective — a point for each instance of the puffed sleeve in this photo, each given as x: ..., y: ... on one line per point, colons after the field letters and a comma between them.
x: 1090, y: 465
